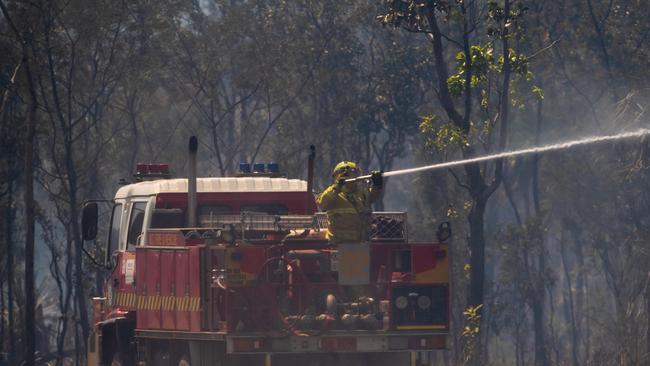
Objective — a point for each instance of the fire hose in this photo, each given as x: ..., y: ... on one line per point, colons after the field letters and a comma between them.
x: 527, y: 151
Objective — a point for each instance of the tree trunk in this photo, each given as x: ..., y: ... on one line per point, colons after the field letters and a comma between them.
x: 79, y: 275
x: 9, y: 218
x: 29, y: 335
x: 572, y: 317
x: 541, y: 358
x: 647, y: 311
x: 65, y: 305
x: 2, y: 310
x: 538, y: 325
x: 30, y: 298
x: 551, y: 322
x: 30, y: 216
x: 477, y: 253
x: 131, y: 101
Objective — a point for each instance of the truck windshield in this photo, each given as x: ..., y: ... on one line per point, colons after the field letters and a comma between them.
x: 114, y: 232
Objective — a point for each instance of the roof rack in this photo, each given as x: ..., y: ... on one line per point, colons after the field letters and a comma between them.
x: 383, y: 226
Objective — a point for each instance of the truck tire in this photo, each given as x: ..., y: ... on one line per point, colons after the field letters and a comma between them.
x: 184, y: 360
x: 117, y: 360
x: 121, y: 359
x: 161, y: 357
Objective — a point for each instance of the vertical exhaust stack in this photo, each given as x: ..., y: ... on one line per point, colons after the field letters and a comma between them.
x: 191, y: 183
x: 310, y: 176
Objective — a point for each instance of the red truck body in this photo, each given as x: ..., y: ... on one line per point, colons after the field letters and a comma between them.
x: 257, y: 276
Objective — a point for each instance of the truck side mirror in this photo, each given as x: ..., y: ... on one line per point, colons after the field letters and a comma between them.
x: 444, y: 231
x: 89, y: 221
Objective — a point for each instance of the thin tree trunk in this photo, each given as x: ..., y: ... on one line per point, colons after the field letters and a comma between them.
x: 217, y: 150
x: 601, y: 34
x: 77, y: 345
x: 79, y: 275
x: 66, y: 303
x: 572, y: 318
x: 477, y: 252
x: 538, y: 322
x: 511, y: 200
x: 535, y: 183
x: 541, y: 358
x: 30, y: 217
x: 9, y: 219
x: 551, y: 320
x: 518, y: 345
x: 30, y: 124
x: 647, y: 332
x: 133, y: 117
x: 581, y: 301
x: 2, y: 311
x: 30, y: 213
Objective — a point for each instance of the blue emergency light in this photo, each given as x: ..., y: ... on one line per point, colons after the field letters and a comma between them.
x: 244, y: 167
x: 258, y: 168
x: 273, y: 167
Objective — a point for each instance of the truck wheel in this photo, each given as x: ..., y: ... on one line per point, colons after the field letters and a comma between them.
x: 161, y: 358
x: 117, y: 360
x: 184, y: 361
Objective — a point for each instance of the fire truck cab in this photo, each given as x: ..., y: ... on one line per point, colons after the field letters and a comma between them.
x: 237, y: 270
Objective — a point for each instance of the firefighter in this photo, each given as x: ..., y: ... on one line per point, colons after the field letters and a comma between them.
x: 348, y: 204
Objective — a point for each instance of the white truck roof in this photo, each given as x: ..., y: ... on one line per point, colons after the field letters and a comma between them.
x: 220, y: 184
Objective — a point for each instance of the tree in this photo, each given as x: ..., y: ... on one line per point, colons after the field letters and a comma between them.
x: 24, y: 39
x: 74, y: 82
x: 482, y: 85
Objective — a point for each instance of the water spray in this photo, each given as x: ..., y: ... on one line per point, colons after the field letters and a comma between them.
x: 508, y: 154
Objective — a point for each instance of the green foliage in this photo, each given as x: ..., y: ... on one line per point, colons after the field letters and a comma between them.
x: 519, y: 64
x: 440, y: 137
x: 501, y: 26
x: 484, y: 68
x: 471, y: 332
x: 482, y: 62
x: 456, y: 84
x: 410, y: 13
x: 537, y: 92
x: 452, y: 213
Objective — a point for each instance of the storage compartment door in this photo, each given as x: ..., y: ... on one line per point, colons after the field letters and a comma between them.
x: 167, y: 284
x: 182, y: 290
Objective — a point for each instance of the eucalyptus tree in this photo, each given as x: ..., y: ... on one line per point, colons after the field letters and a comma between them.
x: 78, y: 48
x: 479, y: 37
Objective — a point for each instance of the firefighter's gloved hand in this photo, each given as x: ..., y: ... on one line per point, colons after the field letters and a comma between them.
x: 340, y: 183
x: 377, y: 179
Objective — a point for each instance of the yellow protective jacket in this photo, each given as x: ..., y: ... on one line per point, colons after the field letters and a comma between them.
x: 347, y: 212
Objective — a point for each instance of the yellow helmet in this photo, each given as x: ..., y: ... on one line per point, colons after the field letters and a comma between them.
x: 345, y: 166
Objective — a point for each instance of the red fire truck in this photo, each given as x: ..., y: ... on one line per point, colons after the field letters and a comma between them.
x: 237, y: 270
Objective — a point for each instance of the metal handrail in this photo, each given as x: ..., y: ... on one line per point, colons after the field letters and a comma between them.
x: 382, y: 225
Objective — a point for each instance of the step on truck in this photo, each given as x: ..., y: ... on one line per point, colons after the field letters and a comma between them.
x: 237, y: 271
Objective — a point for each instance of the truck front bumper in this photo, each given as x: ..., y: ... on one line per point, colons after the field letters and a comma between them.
x: 337, y: 342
